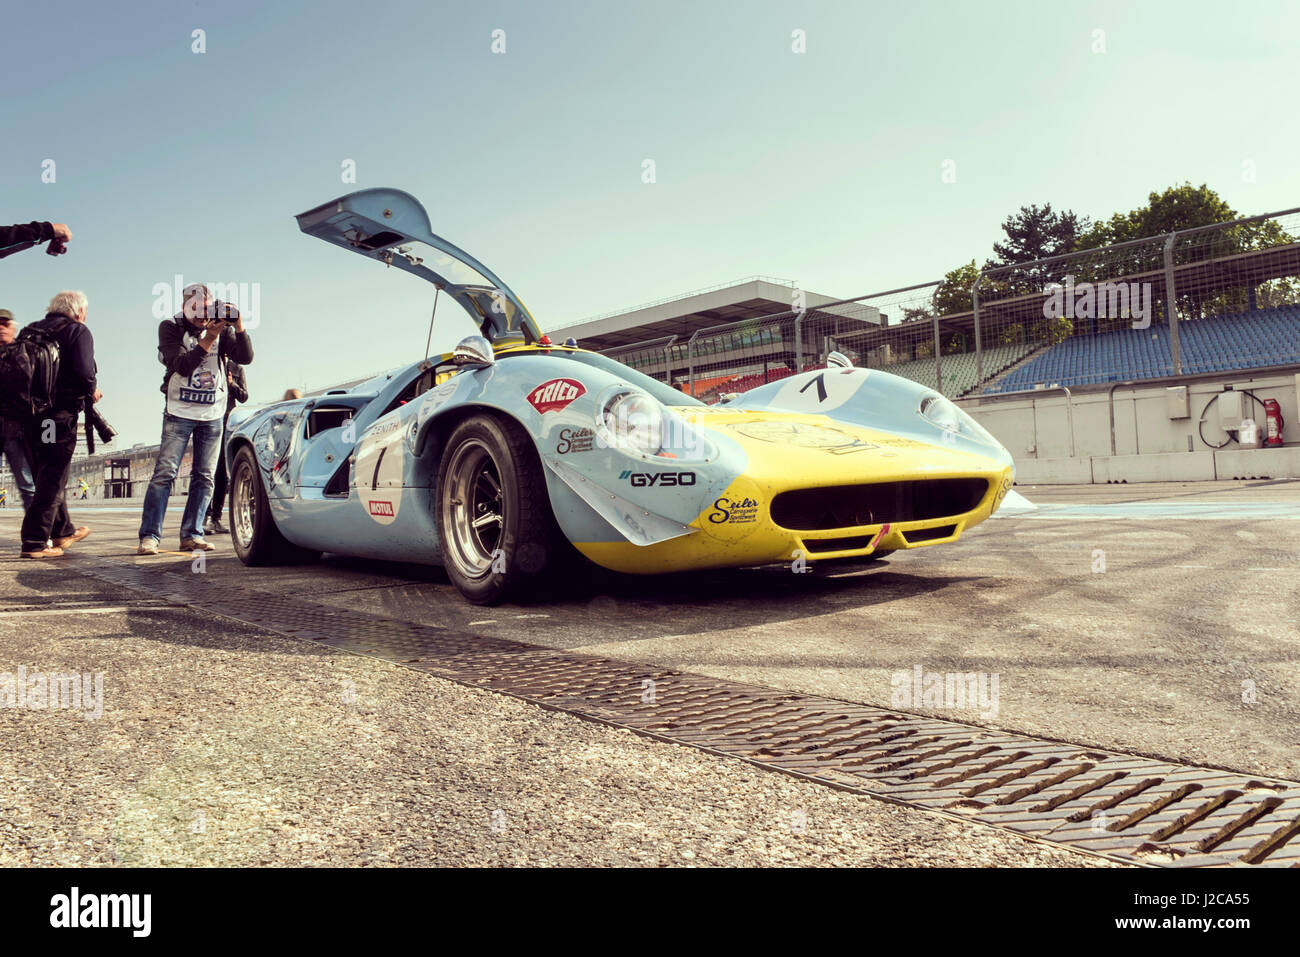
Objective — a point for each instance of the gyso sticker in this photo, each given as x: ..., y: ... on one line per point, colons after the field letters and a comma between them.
x: 555, y: 395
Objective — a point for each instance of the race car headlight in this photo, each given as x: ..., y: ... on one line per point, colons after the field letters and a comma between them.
x: 632, y: 420
x: 939, y: 411
x: 942, y: 412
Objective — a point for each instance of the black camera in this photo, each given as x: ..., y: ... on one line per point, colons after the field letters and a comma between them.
x: 57, y: 247
x: 100, y: 426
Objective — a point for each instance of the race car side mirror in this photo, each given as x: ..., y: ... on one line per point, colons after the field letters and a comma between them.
x: 474, y: 350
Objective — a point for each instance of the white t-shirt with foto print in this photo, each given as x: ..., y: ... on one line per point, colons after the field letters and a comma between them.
x: 201, y: 397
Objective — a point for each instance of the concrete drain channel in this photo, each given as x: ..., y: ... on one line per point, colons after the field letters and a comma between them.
x: 1123, y: 807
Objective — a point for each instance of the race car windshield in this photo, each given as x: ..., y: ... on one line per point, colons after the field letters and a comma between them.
x: 665, y: 394
x: 477, y: 294
x: 448, y: 267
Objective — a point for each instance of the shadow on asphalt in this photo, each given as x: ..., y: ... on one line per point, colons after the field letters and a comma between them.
x: 657, y: 604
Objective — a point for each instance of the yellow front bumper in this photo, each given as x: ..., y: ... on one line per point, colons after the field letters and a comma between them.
x: 790, y: 452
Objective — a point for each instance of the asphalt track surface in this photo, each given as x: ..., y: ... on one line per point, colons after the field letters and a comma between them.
x: 1161, y: 620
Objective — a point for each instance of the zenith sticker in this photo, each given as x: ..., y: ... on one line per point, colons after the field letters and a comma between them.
x: 555, y: 395
x: 381, y: 428
x: 738, y: 512
x: 576, y: 440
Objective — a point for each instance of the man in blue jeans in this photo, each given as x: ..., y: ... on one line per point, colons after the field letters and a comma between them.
x: 195, y: 345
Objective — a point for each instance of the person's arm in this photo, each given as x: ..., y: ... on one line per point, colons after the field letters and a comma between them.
x: 33, y: 233
x: 26, y: 233
x: 172, y: 352
x: 239, y: 347
x: 79, y: 362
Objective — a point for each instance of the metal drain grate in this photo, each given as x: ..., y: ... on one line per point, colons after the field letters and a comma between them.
x: 1121, y: 806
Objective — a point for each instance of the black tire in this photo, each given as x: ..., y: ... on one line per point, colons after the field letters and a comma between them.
x: 495, y: 525
x: 256, y: 538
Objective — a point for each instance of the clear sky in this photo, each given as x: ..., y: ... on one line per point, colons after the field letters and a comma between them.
x: 824, y: 167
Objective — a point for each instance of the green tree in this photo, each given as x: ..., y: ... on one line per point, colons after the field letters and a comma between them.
x: 1177, y: 208
x: 1185, y: 207
x: 1037, y: 232
x: 954, y: 294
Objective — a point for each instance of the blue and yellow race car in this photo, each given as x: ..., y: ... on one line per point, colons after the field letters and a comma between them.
x: 502, y: 458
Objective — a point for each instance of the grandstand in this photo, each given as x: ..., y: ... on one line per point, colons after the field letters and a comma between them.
x: 1216, y: 344
x: 959, y: 376
x: 731, y: 329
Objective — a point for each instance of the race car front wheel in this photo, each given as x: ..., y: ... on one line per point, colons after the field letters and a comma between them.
x: 495, y: 524
x: 253, y: 531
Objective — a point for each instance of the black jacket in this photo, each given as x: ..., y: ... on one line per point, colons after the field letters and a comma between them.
x: 232, y: 347
x: 77, y: 367
x: 238, y: 391
x: 26, y: 233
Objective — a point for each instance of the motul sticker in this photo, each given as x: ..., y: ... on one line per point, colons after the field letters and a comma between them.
x: 555, y: 395
x: 382, y: 508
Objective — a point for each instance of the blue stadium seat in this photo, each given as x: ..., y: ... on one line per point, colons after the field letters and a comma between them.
x: 1218, y: 343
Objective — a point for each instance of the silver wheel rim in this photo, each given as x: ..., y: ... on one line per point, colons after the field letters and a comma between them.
x: 243, y: 505
x: 474, y: 509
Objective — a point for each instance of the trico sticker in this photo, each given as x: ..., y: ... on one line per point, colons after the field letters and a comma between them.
x: 378, y: 507
x: 734, y: 511
x: 554, y: 395
x: 576, y: 440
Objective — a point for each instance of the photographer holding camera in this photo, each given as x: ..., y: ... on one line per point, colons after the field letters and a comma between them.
x: 196, y: 346
x: 51, y: 430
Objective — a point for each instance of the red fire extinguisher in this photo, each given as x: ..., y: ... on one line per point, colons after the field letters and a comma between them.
x: 1273, y: 413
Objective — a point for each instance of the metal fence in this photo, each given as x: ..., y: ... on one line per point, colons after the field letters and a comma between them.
x: 1209, y: 299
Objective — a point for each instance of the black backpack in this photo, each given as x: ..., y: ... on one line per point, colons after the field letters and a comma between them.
x: 29, y: 371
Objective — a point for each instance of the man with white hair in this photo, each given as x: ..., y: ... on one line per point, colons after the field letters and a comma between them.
x: 52, y: 434
x: 196, y: 346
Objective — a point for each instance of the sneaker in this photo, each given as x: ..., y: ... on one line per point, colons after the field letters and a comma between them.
x: 148, y: 546
x: 46, y: 552
x: 76, y: 536
x: 196, y: 545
